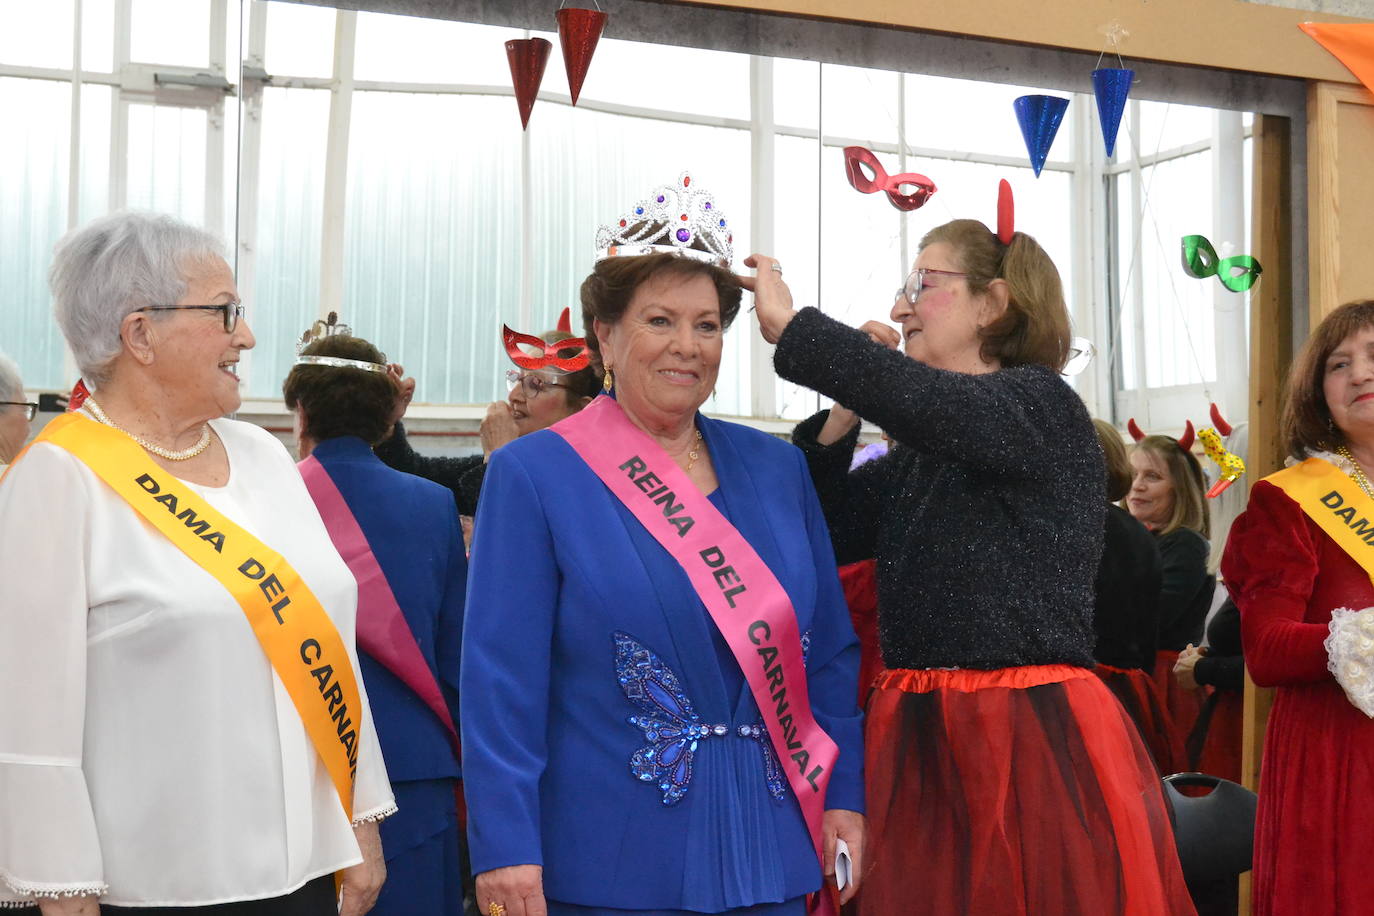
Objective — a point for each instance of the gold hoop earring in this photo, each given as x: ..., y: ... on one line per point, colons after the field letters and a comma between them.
x: 607, y: 381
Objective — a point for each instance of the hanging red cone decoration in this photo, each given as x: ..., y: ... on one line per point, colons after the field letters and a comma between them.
x: 578, y: 32
x: 1039, y: 117
x: 528, y: 57
x: 1112, y: 86
x: 1352, y: 43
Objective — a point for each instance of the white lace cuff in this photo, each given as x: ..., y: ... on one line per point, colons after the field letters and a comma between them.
x: 375, y: 815
x: 1350, y: 655
x: 33, y: 891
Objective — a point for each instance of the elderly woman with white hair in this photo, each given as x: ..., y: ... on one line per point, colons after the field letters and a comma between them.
x: 184, y: 726
x: 15, y: 412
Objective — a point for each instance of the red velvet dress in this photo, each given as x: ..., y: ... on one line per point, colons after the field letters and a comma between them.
x: 1314, y: 840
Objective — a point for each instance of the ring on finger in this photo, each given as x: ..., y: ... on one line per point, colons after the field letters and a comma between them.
x: 776, y: 266
x: 496, y: 909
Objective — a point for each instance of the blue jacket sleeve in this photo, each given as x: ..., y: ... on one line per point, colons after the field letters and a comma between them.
x: 507, y: 636
x: 448, y: 643
x: 833, y: 662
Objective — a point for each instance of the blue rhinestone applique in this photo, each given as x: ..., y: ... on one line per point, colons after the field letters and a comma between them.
x: 671, y: 726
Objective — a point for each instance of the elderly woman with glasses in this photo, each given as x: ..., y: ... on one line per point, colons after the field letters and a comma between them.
x: 1002, y: 775
x: 15, y: 412
x: 194, y: 735
x: 545, y: 388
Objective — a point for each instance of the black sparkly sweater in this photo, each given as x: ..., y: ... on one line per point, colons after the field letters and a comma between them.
x: 461, y: 475
x: 986, y: 519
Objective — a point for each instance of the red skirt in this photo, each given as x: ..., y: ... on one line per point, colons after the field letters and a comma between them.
x: 1016, y: 791
x: 1183, y: 704
x: 1214, y: 747
x: 1140, y: 698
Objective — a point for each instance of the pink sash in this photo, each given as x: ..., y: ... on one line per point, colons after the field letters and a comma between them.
x: 744, y: 598
x: 382, y: 629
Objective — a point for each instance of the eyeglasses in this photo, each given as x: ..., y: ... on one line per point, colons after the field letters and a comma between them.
x: 232, y: 312
x: 30, y: 407
x: 916, y: 281
x: 533, y: 385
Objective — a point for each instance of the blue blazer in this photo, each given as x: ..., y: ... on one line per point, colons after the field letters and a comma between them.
x: 571, y: 605
x: 412, y: 526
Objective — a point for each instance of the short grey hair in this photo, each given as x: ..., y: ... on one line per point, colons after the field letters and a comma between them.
x: 11, y: 383
x: 114, y: 266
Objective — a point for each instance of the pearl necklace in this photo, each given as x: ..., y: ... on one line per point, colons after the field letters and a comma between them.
x: 183, y: 455
x: 1356, y: 472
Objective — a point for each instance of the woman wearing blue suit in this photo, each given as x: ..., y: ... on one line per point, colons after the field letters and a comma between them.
x: 400, y: 537
x: 615, y: 755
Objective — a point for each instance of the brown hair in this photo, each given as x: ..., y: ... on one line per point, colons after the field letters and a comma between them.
x: 1035, y: 327
x: 1190, y: 503
x: 584, y: 383
x: 1118, y: 462
x: 606, y: 294
x: 340, y: 401
x: 1305, y: 423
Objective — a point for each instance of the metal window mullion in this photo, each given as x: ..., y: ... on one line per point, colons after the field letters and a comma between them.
x: 215, y: 120
x: 74, y: 140
x: 119, y: 107
x: 1089, y: 312
x: 763, y: 385
x: 250, y: 154
x: 1228, y: 225
x: 1137, y: 252
x: 336, y: 164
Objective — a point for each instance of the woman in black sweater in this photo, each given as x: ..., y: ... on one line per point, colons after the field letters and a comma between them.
x: 1002, y: 776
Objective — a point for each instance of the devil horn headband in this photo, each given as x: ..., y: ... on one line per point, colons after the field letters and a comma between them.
x: 1220, y: 422
x: 1185, y: 441
x: 565, y: 321
x: 1006, y: 213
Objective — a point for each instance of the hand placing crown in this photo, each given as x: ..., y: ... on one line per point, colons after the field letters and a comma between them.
x: 680, y: 219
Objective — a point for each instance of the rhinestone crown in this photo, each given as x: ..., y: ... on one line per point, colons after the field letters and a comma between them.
x: 682, y: 219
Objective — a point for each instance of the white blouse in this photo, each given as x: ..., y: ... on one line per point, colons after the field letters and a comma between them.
x: 148, y: 752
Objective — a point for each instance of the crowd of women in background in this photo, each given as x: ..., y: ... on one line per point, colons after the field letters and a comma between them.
x: 642, y: 691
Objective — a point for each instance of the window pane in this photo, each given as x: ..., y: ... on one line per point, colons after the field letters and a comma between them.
x: 938, y: 116
x: 97, y: 35
x: 171, y: 32
x: 96, y: 108
x: 300, y: 40
x: 30, y: 37
x: 659, y: 76
x: 33, y: 215
x: 859, y: 104
x: 1164, y: 126
x: 285, y: 298
x: 797, y: 235
x: 167, y: 160
x: 433, y: 238
x: 409, y: 49
x: 796, y: 93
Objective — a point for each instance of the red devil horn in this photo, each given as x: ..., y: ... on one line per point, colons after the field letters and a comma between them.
x: 1219, y: 422
x: 1185, y: 441
x: 1134, y: 430
x: 565, y: 321
x: 1006, y: 213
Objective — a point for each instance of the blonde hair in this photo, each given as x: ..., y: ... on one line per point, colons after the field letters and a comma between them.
x: 1035, y: 327
x: 1190, y: 503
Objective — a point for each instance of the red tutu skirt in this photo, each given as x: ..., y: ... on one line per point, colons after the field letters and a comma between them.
x: 1016, y: 791
x: 1184, y: 705
x: 1140, y: 698
x: 861, y: 593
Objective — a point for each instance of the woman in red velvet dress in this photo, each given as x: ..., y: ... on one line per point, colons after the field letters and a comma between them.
x: 1314, y: 843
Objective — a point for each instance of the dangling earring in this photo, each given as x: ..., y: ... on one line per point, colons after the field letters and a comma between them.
x: 607, y: 381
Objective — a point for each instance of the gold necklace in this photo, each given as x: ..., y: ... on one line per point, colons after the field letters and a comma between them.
x: 1356, y: 472
x: 183, y: 455
x: 695, y: 452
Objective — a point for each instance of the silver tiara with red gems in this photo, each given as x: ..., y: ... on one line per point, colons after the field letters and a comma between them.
x: 682, y: 219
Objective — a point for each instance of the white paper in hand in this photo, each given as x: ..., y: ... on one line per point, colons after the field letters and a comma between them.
x: 843, y: 866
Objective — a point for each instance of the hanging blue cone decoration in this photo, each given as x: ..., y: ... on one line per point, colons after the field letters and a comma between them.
x: 1111, y: 85
x: 1039, y: 116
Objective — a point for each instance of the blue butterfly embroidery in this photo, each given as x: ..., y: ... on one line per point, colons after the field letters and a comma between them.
x: 672, y: 727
